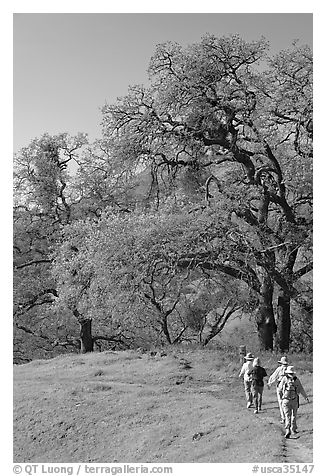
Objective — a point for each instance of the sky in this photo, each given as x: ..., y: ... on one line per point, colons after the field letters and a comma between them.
x: 66, y: 66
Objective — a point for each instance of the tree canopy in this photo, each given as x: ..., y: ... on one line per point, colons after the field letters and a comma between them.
x: 201, y: 179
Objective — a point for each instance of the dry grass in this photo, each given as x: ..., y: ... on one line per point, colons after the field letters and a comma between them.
x: 123, y: 406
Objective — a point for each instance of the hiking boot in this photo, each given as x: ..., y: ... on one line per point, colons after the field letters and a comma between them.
x: 248, y: 405
x: 256, y: 411
x: 288, y: 434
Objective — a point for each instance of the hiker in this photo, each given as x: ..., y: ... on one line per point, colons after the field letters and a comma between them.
x: 290, y: 388
x: 246, y: 367
x: 257, y: 374
x: 277, y: 376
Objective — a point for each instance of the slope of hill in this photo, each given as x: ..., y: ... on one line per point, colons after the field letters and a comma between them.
x: 186, y: 406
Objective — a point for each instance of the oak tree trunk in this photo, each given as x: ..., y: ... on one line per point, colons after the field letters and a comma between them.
x: 164, y: 324
x: 283, y: 321
x: 265, y: 315
x: 86, y: 339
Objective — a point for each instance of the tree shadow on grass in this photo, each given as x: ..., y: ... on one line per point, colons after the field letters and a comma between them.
x: 270, y: 407
x: 306, y: 432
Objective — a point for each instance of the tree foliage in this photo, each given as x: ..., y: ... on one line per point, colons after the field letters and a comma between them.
x: 202, y: 179
x: 140, y: 262
x: 43, y: 205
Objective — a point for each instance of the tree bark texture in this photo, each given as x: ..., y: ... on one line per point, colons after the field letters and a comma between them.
x: 265, y: 315
x: 283, y: 321
x: 164, y: 324
x: 284, y: 303
x: 86, y: 339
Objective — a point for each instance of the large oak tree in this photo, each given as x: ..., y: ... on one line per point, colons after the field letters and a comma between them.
x: 225, y: 115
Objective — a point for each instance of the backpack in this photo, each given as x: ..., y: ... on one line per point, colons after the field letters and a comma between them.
x: 290, y: 390
x: 258, y: 373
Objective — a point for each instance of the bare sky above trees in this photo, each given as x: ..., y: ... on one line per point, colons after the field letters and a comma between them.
x: 68, y: 65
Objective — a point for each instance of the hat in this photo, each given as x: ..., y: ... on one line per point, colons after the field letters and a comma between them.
x: 283, y: 361
x: 256, y: 362
x: 290, y: 370
x: 249, y: 356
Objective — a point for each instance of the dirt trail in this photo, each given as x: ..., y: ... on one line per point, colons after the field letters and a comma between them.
x: 296, y: 451
x: 298, y: 448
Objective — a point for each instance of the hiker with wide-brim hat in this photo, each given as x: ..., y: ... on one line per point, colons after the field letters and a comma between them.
x: 245, y: 369
x: 290, y: 389
x: 276, y: 377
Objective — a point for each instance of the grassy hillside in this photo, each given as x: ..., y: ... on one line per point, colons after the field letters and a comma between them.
x: 186, y: 406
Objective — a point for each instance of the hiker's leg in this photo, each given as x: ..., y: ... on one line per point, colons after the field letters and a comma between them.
x: 255, y: 396
x: 247, y: 387
x: 251, y: 392
x: 287, y: 410
x: 260, y: 395
x: 294, y: 415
